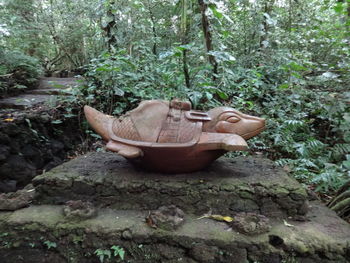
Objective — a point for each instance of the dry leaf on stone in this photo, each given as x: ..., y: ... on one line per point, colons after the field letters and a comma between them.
x: 287, y: 224
x: 227, y: 219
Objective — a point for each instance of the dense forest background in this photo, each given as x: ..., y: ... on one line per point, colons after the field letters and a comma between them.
x: 285, y: 60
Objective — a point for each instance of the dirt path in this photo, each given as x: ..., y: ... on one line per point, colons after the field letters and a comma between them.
x: 47, y: 92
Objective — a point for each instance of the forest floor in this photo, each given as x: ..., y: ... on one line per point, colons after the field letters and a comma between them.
x: 48, y: 90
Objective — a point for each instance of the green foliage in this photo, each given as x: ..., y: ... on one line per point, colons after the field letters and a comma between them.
x: 115, y: 251
x: 50, y: 244
x: 118, y: 251
x: 17, y: 71
x: 102, y: 253
x: 287, y: 61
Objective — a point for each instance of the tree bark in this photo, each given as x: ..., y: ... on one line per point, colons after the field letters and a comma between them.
x: 268, y: 6
x: 207, y: 36
x: 154, y: 48
x: 185, y: 69
x: 184, y: 41
x: 111, y: 38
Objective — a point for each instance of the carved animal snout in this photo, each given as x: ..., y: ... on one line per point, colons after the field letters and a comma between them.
x: 236, y: 122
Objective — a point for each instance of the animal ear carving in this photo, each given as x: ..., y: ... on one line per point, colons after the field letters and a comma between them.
x: 170, y: 137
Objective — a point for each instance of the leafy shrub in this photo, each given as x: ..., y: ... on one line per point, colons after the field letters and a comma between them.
x: 307, y: 129
x: 17, y: 71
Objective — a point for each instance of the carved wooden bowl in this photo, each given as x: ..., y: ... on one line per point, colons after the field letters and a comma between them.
x: 170, y: 137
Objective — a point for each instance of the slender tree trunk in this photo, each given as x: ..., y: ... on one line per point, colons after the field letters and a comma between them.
x: 28, y: 16
x: 111, y: 38
x: 207, y: 36
x: 185, y: 68
x: 184, y: 41
x: 348, y: 16
x: 268, y: 6
x: 154, y: 48
x: 348, y: 20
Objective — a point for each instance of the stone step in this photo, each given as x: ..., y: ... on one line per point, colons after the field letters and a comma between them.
x: 49, y: 91
x: 58, y: 83
x: 26, y: 101
x: 44, y: 234
x: 228, y: 185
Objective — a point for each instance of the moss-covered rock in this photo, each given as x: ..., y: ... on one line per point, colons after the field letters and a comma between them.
x: 228, y: 185
x: 44, y: 234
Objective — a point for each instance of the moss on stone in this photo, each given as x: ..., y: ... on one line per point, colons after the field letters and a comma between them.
x: 222, y: 188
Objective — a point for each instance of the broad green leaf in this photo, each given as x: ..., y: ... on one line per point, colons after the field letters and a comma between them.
x: 284, y: 86
x: 118, y: 91
x: 216, y: 13
x: 338, y: 7
x: 222, y: 94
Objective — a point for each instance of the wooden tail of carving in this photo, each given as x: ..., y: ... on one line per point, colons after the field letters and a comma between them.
x: 98, y: 121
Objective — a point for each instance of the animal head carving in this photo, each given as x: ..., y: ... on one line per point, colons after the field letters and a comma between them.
x: 229, y: 120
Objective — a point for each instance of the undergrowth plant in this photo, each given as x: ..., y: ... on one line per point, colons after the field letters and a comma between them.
x: 114, y: 251
x: 17, y: 71
x: 307, y: 129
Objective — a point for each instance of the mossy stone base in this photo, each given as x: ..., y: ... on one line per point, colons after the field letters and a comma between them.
x: 228, y: 185
x: 42, y: 234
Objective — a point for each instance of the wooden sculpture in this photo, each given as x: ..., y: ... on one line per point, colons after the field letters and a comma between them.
x: 170, y: 137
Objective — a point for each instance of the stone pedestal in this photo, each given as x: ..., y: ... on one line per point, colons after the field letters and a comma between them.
x: 229, y: 185
x: 124, y: 195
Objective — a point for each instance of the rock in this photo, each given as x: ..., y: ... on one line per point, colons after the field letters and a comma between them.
x: 16, y: 200
x: 228, y: 185
x: 8, y: 186
x: 127, y: 234
x: 33, y: 154
x: 250, y: 223
x: 56, y: 146
x: 17, y: 168
x: 10, y: 129
x: 323, y: 239
x: 4, y: 138
x: 4, y: 152
x: 53, y: 163
x: 31, y: 143
x: 79, y: 209
x: 204, y: 253
x: 166, y: 217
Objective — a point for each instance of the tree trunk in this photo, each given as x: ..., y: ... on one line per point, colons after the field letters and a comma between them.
x: 207, y: 36
x: 185, y: 69
x: 184, y: 41
x: 111, y: 38
x: 348, y: 16
x: 348, y: 20
x: 154, y: 48
x: 268, y: 6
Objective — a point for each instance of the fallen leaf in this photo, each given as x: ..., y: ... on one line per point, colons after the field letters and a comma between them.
x: 9, y: 119
x: 149, y: 221
x: 227, y: 219
x: 287, y: 224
